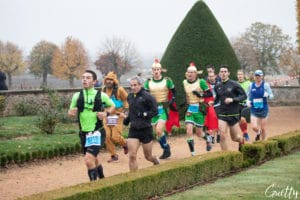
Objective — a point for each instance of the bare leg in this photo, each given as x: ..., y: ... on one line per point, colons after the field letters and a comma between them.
x: 234, y: 133
x: 147, y: 149
x: 263, y: 128
x: 133, y: 146
x: 254, y: 123
x: 90, y: 160
x: 223, y: 126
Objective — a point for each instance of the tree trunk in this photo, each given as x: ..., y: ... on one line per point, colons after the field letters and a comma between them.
x: 71, y: 82
x: 9, y: 80
x: 44, y: 83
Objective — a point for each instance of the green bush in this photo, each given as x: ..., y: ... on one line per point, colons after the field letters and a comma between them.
x: 25, y: 105
x: 28, y: 156
x: 51, y: 112
x: 199, y: 39
x: 3, y: 161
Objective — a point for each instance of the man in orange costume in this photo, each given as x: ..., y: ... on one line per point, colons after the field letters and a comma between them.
x: 114, y: 132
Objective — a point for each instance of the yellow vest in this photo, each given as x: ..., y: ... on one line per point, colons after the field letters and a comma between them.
x: 159, y: 90
x: 189, y: 88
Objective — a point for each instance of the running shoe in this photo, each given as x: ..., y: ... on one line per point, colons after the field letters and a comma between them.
x: 258, y: 135
x: 241, y: 144
x: 218, y: 137
x: 208, y: 143
x: 113, y: 158
x: 246, y: 136
x: 125, y: 148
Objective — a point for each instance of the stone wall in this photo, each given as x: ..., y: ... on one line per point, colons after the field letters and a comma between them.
x: 285, y: 96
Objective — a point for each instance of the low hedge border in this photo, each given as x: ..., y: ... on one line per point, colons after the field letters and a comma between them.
x: 160, y: 179
x: 151, y: 181
x: 288, y: 142
x: 20, y: 157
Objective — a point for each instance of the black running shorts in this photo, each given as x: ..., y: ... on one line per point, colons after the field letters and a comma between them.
x: 145, y: 135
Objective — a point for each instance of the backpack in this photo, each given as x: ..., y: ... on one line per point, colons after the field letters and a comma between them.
x: 97, y: 107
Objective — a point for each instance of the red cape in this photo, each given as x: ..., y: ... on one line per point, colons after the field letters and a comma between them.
x: 173, y: 119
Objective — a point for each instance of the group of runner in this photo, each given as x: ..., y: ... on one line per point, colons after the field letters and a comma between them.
x: 212, y: 105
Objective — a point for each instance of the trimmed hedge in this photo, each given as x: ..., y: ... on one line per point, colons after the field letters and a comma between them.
x: 153, y: 180
x: 159, y: 179
x: 288, y: 142
x: 20, y: 157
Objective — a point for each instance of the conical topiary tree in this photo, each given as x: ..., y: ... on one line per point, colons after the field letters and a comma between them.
x: 199, y: 39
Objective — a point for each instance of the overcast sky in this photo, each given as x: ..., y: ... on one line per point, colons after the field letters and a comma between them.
x: 148, y: 24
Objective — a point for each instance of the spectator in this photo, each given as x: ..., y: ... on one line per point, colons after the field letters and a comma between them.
x: 3, y: 85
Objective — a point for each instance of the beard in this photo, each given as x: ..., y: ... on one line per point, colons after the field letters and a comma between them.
x: 109, y: 85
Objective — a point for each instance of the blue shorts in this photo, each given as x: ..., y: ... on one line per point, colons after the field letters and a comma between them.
x: 260, y: 113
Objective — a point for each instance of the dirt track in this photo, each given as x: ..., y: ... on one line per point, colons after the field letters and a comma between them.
x: 60, y: 172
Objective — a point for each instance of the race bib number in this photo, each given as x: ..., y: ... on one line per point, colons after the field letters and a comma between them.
x: 112, y: 120
x: 160, y: 109
x: 258, y: 103
x: 193, y: 108
x: 93, y: 139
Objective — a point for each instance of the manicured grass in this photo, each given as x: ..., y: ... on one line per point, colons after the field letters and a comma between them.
x: 275, y: 179
x: 21, y: 140
x: 12, y: 127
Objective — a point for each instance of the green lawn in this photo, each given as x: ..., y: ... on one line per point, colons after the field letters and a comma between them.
x: 275, y: 179
x: 21, y: 140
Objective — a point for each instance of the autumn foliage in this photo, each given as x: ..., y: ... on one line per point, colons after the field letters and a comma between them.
x: 70, y: 61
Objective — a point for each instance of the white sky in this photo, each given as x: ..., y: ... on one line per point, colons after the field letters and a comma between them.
x: 148, y: 24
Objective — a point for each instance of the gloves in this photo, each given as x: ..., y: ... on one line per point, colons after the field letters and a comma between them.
x: 248, y: 104
x: 266, y: 94
x: 171, y: 106
x: 198, y: 94
x: 172, y: 101
x: 126, y: 121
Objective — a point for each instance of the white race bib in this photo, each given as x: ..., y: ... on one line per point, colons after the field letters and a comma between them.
x: 93, y: 139
x: 112, y: 120
x: 160, y: 109
x: 193, y: 108
x: 258, y: 103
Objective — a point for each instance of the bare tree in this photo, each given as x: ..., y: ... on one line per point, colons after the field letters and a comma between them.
x: 290, y: 62
x: 118, y: 55
x: 246, y: 54
x: 269, y: 41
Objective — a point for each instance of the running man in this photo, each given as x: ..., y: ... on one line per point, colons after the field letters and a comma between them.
x: 159, y: 87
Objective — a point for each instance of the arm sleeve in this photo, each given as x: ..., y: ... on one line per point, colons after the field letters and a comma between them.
x: 207, y: 93
x: 240, y: 94
x: 174, y: 92
x: 152, y: 106
x: 269, y: 90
